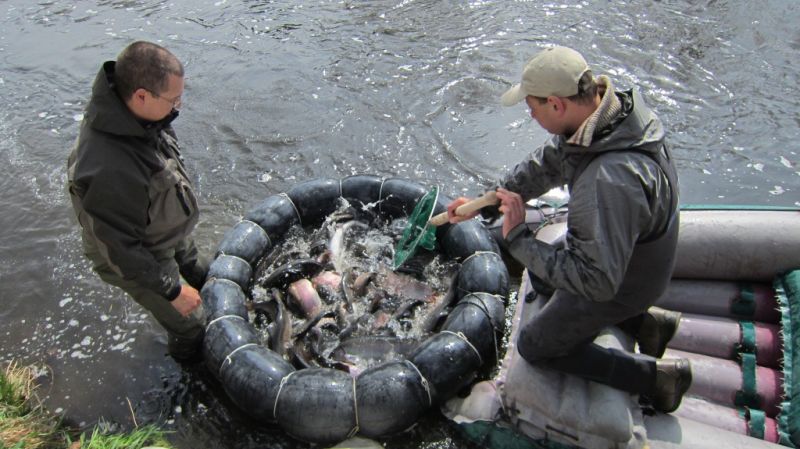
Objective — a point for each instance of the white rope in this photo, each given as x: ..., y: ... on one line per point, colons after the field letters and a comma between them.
x: 296, y: 211
x: 278, y: 396
x: 463, y: 337
x: 423, y: 381
x: 219, y: 318
x: 263, y: 231
x: 228, y: 357
x: 237, y: 257
x: 476, y: 253
x: 380, y: 197
x: 227, y: 280
x: 355, y: 409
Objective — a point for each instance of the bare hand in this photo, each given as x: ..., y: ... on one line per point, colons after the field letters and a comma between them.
x: 451, y: 211
x: 513, y: 209
x: 187, y: 301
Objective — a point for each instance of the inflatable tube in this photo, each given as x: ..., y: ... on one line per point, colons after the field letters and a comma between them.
x: 390, y: 398
x: 314, y: 200
x: 322, y: 405
x: 232, y: 268
x: 723, y: 299
x: 251, y: 377
x: 740, y: 245
x: 275, y: 215
x: 725, y: 338
x: 739, y: 306
x: 317, y: 404
x: 223, y: 297
x: 725, y: 382
x: 473, y: 321
x: 398, y: 197
x: 363, y: 190
x: 467, y: 238
x: 728, y: 418
x: 674, y: 432
x: 448, y: 361
x: 246, y: 240
x: 223, y: 336
x: 479, y: 274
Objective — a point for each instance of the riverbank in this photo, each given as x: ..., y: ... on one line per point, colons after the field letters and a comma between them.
x: 25, y: 424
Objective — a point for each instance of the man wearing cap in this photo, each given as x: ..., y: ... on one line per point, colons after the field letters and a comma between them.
x: 609, y: 148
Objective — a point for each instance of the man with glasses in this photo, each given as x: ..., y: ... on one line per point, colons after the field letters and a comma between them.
x: 133, y: 197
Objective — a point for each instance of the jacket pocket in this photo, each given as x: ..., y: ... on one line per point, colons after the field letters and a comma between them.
x: 171, y: 205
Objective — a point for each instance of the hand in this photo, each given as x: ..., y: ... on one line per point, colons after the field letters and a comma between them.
x: 513, y: 209
x: 187, y: 301
x: 451, y: 211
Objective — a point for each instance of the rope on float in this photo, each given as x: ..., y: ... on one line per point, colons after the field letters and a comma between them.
x: 296, y: 211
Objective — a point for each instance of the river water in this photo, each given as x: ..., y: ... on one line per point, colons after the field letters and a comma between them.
x: 282, y: 92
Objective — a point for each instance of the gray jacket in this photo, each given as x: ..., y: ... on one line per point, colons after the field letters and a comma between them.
x: 623, y: 196
x: 130, y: 190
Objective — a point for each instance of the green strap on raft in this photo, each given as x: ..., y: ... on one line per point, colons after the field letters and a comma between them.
x: 787, y: 290
x: 757, y: 423
x: 748, y: 343
x: 745, y: 304
x: 748, y: 395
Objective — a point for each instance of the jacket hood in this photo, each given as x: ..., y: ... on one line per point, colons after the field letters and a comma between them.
x: 637, y: 127
x: 107, y: 112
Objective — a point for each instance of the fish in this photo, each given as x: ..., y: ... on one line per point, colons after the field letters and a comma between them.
x: 305, y: 298
x: 440, y: 305
x: 337, y: 244
x: 366, y: 351
x: 278, y: 322
x: 284, y: 275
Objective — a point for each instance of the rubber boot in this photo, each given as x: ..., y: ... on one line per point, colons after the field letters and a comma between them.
x: 673, y: 379
x: 657, y: 329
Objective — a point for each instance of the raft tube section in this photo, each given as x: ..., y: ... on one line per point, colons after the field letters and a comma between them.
x: 323, y: 405
x: 737, y: 284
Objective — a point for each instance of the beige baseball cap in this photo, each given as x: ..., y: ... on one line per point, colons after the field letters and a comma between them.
x: 555, y: 71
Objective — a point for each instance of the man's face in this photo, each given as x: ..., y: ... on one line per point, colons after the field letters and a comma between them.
x: 545, y: 114
x: 157, y: 106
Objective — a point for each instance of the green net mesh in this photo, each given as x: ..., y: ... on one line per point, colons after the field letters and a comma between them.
x: 417, y: 232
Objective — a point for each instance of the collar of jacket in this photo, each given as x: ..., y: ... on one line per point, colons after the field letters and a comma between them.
x: 108, y: 113
x: 635, y: 127
x: 606, y: 112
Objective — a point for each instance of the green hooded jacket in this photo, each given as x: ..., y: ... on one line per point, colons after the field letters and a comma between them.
x: 129, y: 189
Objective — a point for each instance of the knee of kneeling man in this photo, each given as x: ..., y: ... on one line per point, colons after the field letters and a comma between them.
x: 532, y: 347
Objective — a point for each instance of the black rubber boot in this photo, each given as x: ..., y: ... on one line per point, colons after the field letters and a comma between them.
x: 657, y: 329
x: 673, y: 379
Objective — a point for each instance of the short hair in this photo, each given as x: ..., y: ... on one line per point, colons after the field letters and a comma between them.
x: 144, y: 65
x: 587, y: 90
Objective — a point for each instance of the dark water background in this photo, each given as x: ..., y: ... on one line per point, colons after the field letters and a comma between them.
x: 282, y: 92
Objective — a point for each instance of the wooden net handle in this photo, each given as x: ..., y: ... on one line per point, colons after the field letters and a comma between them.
x: 488, y: 199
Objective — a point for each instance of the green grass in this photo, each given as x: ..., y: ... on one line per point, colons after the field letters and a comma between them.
x: 25, y: 424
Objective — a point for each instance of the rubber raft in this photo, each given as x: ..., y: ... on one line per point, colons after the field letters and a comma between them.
x: 323, y: 405
x: 737, y: 285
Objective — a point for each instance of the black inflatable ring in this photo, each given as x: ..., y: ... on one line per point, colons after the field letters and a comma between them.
x: 322, y: 405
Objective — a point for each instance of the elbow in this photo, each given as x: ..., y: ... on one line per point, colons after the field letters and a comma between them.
x: 601, y: 287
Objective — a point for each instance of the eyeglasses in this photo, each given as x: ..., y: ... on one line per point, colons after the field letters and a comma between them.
x: 175, y: 102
